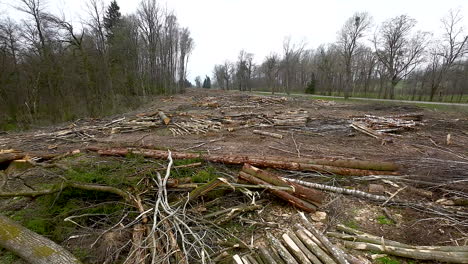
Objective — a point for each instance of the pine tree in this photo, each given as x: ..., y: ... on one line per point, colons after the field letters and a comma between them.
x: 207, y: 83
x: 112, y: 18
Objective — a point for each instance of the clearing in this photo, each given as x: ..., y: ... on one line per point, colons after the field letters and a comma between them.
x: 429, y: 147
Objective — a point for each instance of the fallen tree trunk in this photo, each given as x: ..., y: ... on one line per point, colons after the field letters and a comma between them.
x: 164, y: 118
x: 30, y: 246
x: 266, y: 133
x: 302, y: 192
x: 297, y: 202
x: 272, y: 162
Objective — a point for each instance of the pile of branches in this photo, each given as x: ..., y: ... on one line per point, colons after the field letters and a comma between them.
x: 379, y: 127
x: 303, y: 244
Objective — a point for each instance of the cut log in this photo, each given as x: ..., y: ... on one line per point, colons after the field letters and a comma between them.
x: 311, y: 256
x: 30, y: 246
x: 360, y: 236
x: 452, y: 257
x: 282, y: 251
x: 302, y: 192
x: 337, y: 253
x: 266, y: 133
x: 295, y: 249
x: 295, y: 201
x: 272, y: 162
x: 166, y: 120
x: 313, y: 247
x: 266, y: 256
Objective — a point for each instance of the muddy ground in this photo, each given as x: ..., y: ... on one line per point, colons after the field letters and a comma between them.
x: 435, y: 168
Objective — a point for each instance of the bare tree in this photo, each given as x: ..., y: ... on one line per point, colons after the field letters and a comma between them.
x: 271, y: 69
x: 291, y: 56
x: 452, y: 47
x: 353, y: 30
x: 398, y: 49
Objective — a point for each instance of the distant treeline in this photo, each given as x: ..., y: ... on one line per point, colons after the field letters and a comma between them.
x: 395, y: 62
x: 54, y: 70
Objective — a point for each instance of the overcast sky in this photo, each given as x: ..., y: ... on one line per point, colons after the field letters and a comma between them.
x: 221, y: 28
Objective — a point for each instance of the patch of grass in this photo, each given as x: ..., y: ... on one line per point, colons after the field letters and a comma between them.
x: 387, y: 260
x: 6, y: 257
x: 205, y: 175
x: 352, y: 224
x: 381, y: 219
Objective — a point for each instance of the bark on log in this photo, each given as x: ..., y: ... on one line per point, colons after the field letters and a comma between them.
x: 272, y: 162
x: 337, y: 253
x: 295, y: 201
x: 282, y: 251
x: 310, y: 255
x: 356, y: 193
x: 266, y: 256
x: 164, y: 118
x: 31, y: 247
x: 266, y: 133
x: 295, y: 249
x: 360, y: 236
x: 8, y: 157
x: 452, y: 257
x: 300, y: 191
x: 313, y: 247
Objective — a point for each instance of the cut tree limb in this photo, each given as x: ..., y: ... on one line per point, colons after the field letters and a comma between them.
x: 30, y: 246
x: 300, y: 191
x: 337, y: 253
x: 282, y: 251
x: 453, y: 257
x: 266, y: 133
x: 297, y: 202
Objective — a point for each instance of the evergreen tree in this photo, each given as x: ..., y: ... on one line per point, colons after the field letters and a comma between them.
x: 207, y: 83
x: 112, y: 18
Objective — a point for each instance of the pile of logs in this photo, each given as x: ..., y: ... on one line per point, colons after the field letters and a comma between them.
x: 290, y: 118
x: 354, y: 239
x: 195, y: 126
x: 301, y: 244
x: 379, y: 127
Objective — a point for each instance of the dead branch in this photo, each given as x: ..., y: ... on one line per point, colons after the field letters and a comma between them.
x: 297, y: 202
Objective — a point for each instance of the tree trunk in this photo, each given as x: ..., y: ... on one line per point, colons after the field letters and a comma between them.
x: 30, y: 246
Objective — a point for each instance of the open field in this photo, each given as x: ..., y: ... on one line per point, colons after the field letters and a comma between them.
x: 431, y: 155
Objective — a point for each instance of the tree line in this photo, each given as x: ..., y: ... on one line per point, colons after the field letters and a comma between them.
x: 52, y: 69
x: 391, y: 60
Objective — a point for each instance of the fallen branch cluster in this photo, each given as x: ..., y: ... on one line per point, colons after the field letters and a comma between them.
x: 380, y: 127
x: 301, y: 197
x: 355, y: 239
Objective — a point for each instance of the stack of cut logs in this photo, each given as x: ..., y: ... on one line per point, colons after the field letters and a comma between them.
x: 290, y: 118
x: 378, y: 127
x: 195, y: 126
x: 302, y: 244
